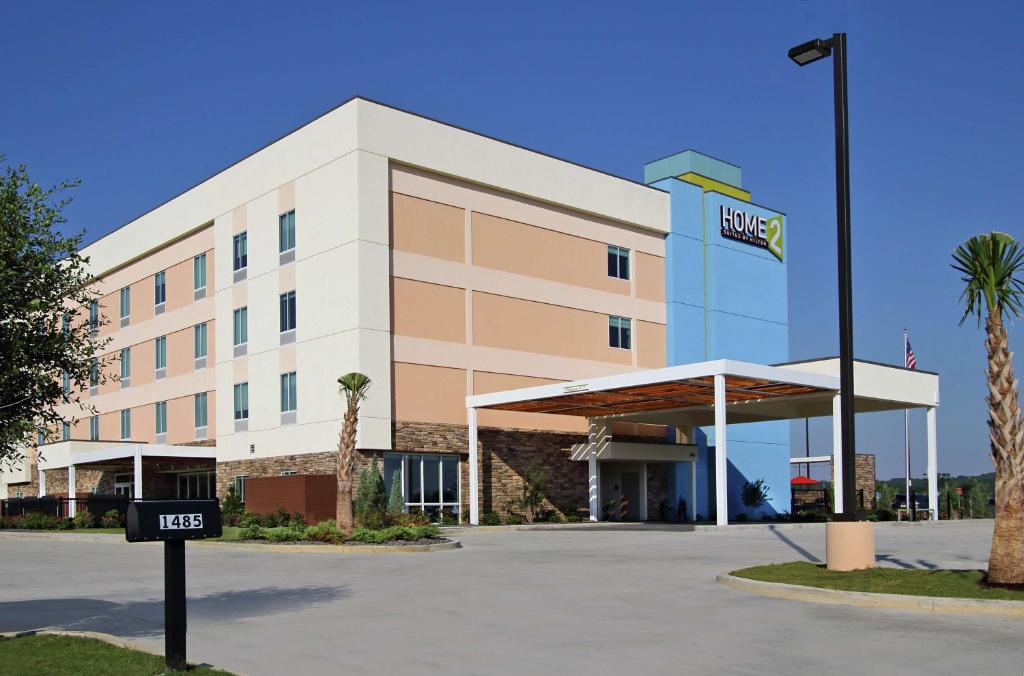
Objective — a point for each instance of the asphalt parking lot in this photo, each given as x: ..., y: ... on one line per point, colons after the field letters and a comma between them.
x: 585, y: 601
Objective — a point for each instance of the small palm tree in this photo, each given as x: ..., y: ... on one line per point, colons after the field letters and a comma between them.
x: 354, y: 387
x: 992, y: 266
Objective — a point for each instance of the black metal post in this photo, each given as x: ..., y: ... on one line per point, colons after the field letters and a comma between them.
x: 174, y: 605
x: 848, y: 448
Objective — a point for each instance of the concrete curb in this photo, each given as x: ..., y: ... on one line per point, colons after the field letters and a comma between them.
x: 110, y: 538
x: 682, y: 527
x: 99, y: 636
x: 925, y: 604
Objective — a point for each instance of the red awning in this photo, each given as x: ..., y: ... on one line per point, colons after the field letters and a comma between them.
x: 802, y: 481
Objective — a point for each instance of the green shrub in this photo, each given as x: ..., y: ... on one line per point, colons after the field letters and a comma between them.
x: 232, y: 508
x: 281, y: 518
x: 755, y: 494
x: 531, y: 497
x: 83, y: 519
x: 513, y: 519
x: 36, y: 521
x: 410, y: 519
x: 448, y: 518
x: 325, y: 531
x: 252, y: 531
x: 490, y: 519
x: 574, y: 518
x: 555, y: 517
x: 284, y: 534
x: 112, y: 519
x: 404, y: 533
x: 396, y: 503
x: 371, y: 503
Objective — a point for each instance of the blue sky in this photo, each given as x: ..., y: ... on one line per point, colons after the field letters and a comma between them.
x: 141, y: 104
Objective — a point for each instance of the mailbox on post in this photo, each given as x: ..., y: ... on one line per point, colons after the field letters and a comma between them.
x: 173, y: 522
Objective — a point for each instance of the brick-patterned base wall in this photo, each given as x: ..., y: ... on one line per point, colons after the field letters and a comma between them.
x: 29, y: 489
x: 303, y: 463
x: 86, y: 481
x: 865, y: 463
x: 657, y: 489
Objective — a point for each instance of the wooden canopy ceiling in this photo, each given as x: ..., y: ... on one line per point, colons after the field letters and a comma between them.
x: 693, y: 392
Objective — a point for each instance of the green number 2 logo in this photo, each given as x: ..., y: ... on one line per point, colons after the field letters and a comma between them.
x: 774, y: 237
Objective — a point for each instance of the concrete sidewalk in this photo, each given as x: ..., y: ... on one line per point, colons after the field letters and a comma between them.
x: 593, y: 601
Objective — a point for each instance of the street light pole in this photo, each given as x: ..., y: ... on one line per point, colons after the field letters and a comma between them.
x: 802, y: 55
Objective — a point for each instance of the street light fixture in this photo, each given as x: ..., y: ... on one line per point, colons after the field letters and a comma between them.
x: 809, y: 52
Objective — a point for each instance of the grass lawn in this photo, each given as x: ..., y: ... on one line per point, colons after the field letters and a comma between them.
x: 947, y: 583
x: 47, y: 654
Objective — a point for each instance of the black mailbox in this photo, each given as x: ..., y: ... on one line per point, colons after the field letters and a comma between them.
x: 156, y: 520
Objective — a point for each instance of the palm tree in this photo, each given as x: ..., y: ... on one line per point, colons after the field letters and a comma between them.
x: 991, y: 266
x: 354, y: 387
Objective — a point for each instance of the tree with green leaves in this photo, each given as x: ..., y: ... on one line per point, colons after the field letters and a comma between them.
x: 531, y: 498
x: 371, y: 497
x: 396, y: 503
x: 992, y: 270
x: 49, y: 343
x: 354, y: 387
x: 755, y: 494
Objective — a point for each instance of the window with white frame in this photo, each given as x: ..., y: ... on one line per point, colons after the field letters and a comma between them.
x: 618, y: 262
x: 124, y: 484
x: 197, y: 485
x: 160, y: 288
x: 161, y: 417
x: 160, y: 355
x: 620, y: 332
x: 126, y: 365
x: 240, y: 251
x: 288, y: 403
x: 241, y: 401
x: 240, y: 486
x: 199, y: 340
x: 199, y: 272
x: 241, y: 326
x: 66, y: 434
x: 286, y: 231
x: 430, y: 482
x: 94, y: 316
x: 94, y: 428
x: 126, y: 423
x: 287, y: 314
x: 126, y: 303
x: 201, y: 412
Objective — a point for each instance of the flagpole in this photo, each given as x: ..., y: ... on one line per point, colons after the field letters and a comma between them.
x: 906, y: 435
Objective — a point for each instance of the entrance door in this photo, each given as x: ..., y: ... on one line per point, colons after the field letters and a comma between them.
x: 631, y: 491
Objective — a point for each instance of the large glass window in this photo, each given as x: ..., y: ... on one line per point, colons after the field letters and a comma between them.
x: 94, y: 428
x: 126, y: 302
x: 160, y: 348
x: 199, y: 272
x: 241, y: 326
x: 288, y: 392
x: 619, y: 332
x: 287, y: 311
x: 161, y: 417
x: 242, y: 401
x: 240, y: 486
x: 240, y: 251
x: 286, y: 231
x: 199, y: 341
x: 618, y: 262
x: 160, y: 288
x: 200, y: 401
x: 197, y: 485
x: 430, y: 482
x: 126, y: 423
x: 126, y: 363
x: 94, y: 316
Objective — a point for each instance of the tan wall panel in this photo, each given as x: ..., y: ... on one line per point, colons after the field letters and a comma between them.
x: 181, y: 352
x: 429, y: 394
x: 181, y: 420
x: 650, y: 276
x: 179, y: 285
x: 110, y: 426
x: 528, y: 250
x: 211, y: 417
x: 144, y: 423
x: 428, y: 228
x: 110, y: 314
x: 523, y: 325
x: 650, y: 345
x: 143, y: 363
x: 484, y: 382
x: 429, y: 311
x: 142, y: 300
x: 80, y: 428
x: 111, y: 368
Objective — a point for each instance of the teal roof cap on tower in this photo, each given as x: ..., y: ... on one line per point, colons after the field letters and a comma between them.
x: 691, y: 161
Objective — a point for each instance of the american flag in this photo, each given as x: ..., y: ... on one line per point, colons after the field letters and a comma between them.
x: 911, y: 359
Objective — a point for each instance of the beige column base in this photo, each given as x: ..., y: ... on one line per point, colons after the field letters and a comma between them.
x: 849, y: 545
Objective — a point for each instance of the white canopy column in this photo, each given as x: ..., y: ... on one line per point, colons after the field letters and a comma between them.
x: 597, y: 433
x: 137, y: 466
x: 837, y: 455
x: 721, y: 467
x: 72, y: 493
x: 42, y: 482
x: 933, y: 462
x: 474, y: 469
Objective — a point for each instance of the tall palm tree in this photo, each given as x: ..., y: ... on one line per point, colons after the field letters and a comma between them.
x: 354, y: 387
x: 992, y: 266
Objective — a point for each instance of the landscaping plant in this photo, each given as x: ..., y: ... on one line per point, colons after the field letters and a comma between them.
x: 531, y: 498
x: 83, y: 519
x: 992, y: 269
x: 112, y: 519
x: 232, y: 508
x: 755, y: 494
x: 354, y: 387
x: 396, y: 503
x: 371, y: 498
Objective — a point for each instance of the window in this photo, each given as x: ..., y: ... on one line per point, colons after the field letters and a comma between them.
x: 286, y: 231
x: 94, y: 316
x: 199, y: 331
x: 66, y: 385
x: 199, y: 272
x: 126, y: 304
x: 288, y: 472
x: 41, y: 439
x: 126, y: 365
x: 618, y: 262
x: 94, y: 373
x: 619, y: 332
x: 241, y: 327
x: 201, y: 411
x: 94, y: 428
x: 242, y: 401
x: 240, y: 249
x: 161, y: 418
x: 66, y: 432
x: 430, y: 482
x: 288, y: 311
x: 197, y: 485
x: 160, y: 289
x: 240, y: 486
x: 288, y: 392
x: 160, y: 357
x: 124, y: 484
x: 126, y: 423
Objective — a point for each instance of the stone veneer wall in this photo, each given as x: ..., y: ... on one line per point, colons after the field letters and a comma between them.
x: 86, y: 481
